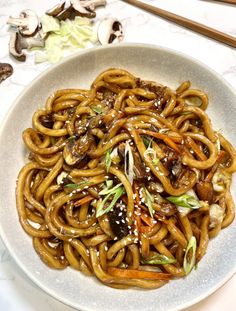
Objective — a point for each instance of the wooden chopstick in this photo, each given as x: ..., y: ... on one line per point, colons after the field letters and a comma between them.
x: 227, y: 1
x: 188, y: 23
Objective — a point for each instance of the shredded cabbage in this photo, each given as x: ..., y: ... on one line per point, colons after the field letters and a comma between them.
x: 65, y: 37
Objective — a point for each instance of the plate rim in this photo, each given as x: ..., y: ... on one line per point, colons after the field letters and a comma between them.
x: 7, y: 116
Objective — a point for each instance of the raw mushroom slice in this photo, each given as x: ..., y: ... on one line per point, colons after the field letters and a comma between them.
x: 57, y: 9
x: 110, y: 31
x: 6, y: 71
x: 15, y: 47
x: 27, y: 23
x: 92, y: 4
x: 80, y: 10
x: 18, y: 43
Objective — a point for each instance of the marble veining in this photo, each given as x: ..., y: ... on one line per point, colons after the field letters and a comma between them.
x: 17, y: 292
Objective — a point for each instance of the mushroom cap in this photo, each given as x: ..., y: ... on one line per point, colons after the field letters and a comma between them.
x: 6, y: 71
x: 110, y: 31
x: 33, y: 22
x: 27, y: 23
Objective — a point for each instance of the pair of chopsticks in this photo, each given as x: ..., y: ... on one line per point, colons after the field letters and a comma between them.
x: 188, y: 23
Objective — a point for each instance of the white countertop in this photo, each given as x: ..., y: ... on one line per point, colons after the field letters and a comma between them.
x: 17, y: 292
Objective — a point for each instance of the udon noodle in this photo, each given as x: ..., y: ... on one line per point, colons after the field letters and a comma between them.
x: 127, y: 181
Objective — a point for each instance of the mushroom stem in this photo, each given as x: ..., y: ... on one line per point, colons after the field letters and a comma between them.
x: 92, y: 4
x: 17, y: 21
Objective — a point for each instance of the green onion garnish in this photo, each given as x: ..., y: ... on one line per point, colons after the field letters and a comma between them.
x: 117, y: 191
x: 149, y: 201
x: 147, y: 141
x: 190, y: 255
x: 185, y: 200
x: 97, y: 109
x: 108, y: 190
x: 74, y: 186
x: 158, y: 259
x: 108, y: 160
x: 109, y: 183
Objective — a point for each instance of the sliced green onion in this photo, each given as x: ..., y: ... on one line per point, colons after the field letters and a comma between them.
x: 108, y: 190
x: 158, y: 259
x: 185, y: 200
x: 115, y: 156
x: 129, y: 163
x: 97, y: 109
x: 155, y: 161
x: 74, y: 186
x: 149, y: 201
x: 109, y: 183
x: 147, y: 141
x: 118, y: 192
x: 151, y: 156
x: 190, y: 255
x: 71, y: 138
x: 108, y: 160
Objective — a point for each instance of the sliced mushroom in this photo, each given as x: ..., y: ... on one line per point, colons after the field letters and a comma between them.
x: 80, y: 10
x: 66, y: 13
x: 110, y: 31
x: 27, y: 23
x: 205, y: 191
x: 57, y: 9
x: 92, y: 4
x: 15, y: 47
x: 76, y: 149
x: 6, y: 71
x: 18, y: 43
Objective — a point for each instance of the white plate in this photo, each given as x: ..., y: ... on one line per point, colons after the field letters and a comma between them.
x: 69, y: 286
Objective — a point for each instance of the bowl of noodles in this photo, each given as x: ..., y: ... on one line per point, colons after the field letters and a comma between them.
x: 119, y: 191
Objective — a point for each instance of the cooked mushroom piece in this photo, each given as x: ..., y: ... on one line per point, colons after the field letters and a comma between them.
x: 118, y: 223
x: 205, y: 191
x: 76, y: 149
x: 6, y: 71
x: 27, y: 23
x: 110, y: 31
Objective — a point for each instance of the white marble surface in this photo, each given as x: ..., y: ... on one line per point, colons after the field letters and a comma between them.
x: 17, y: 292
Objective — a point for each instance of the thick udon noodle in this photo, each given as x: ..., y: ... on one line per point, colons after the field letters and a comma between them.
x: 154, y: 144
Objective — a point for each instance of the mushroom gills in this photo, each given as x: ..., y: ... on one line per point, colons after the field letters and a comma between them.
x: 110, y: 30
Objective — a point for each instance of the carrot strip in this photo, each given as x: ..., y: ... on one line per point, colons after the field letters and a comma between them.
x: 137, y: 222
x: 170, y: 141
x: 147, y: 219
x: 160, y: 135
x: 191, y: 144
x: 84, y: 200
x: 138, y: 274
x: 145, y: 229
